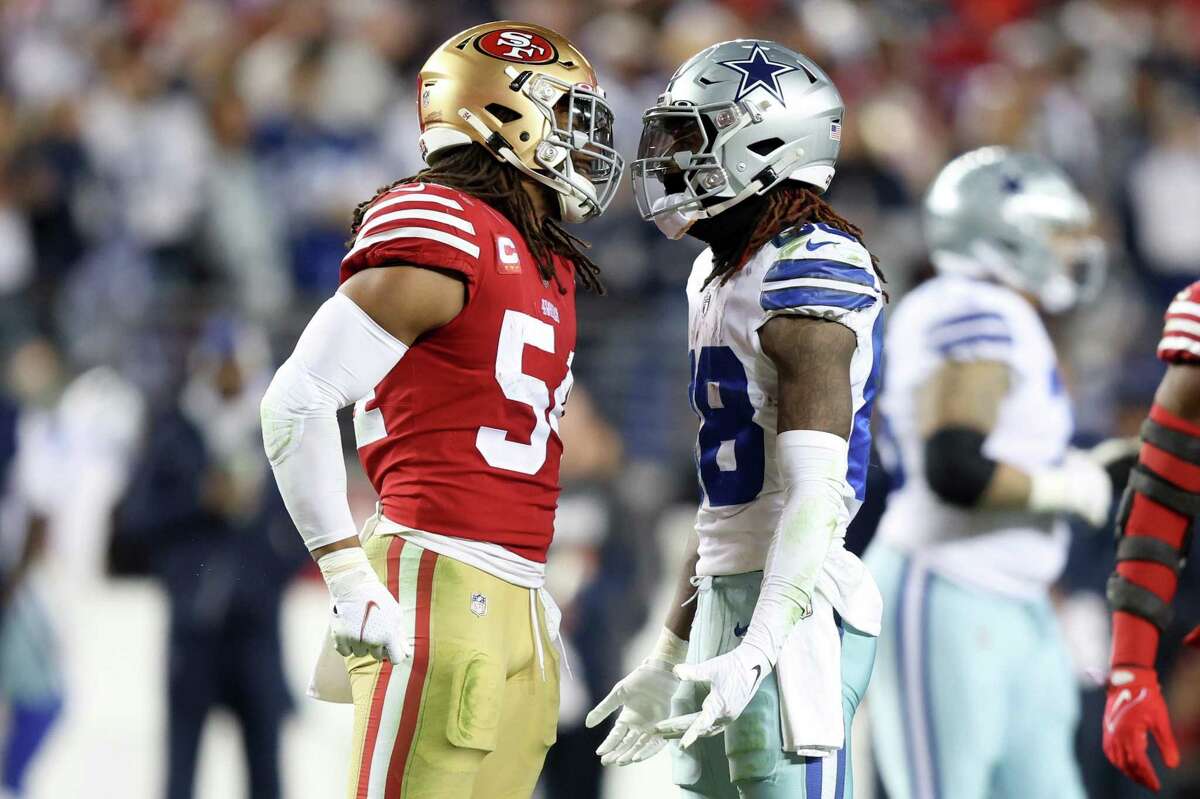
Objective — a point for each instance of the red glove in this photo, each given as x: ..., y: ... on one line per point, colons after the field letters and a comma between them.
x: 1135, y: 707
x: 1193, y: 638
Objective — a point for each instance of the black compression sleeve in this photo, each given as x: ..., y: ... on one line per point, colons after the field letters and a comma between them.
x: 955, y: 467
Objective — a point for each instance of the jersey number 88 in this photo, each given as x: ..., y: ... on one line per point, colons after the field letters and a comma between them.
x: 730, y: 444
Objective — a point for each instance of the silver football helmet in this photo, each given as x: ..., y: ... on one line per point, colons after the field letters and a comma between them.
x: 1016, y: 218
x: 735, y: 120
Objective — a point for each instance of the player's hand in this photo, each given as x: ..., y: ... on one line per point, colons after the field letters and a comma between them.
x: 1193, y: 638
x: 645, y: 699
x: 732, y: 678
x: 364, y: 617
x: 1080, y: 485
x: 1134, y: 709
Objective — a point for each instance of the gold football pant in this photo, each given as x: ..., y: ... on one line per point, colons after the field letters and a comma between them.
x: 474, y: 711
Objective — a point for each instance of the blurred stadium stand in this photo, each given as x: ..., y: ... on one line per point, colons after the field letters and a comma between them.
x: 167, y: 162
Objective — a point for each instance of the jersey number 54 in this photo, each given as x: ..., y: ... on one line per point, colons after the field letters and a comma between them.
x: 517, y: 331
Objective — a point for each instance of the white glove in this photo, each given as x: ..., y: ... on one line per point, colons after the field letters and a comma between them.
x: 365, y: 618
x: 1080, y: 486
x: 733, y: 679
x: 645, y: 698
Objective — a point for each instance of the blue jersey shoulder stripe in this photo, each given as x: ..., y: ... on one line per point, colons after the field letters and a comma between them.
x: 801, y: 296
x: 979, y: 316
x: 790, y: 268
x: 989, y: 338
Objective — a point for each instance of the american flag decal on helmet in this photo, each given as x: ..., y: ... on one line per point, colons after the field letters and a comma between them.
x: 835, y: 130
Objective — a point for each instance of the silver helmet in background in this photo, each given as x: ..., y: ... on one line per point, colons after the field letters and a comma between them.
x: 735, y: 120
x: 1016, y: 218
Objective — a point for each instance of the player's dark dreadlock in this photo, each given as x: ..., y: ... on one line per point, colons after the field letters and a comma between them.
x: 756, y: 221
x: 475, y: 171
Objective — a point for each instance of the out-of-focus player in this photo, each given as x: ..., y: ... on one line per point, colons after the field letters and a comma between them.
x: 454, y: 332
x: 785, y: 329
x: 1154, y: 532
x: 974, y: 695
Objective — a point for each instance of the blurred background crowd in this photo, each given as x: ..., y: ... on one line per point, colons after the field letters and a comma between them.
x: 176, y: 182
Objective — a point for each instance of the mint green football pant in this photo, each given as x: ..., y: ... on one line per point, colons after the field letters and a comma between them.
x: 747, y: 760
x: 974, y: 696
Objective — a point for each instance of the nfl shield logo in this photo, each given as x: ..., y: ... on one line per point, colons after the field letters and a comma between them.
x: 479, y: 604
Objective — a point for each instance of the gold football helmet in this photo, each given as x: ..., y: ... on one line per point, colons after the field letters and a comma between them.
x: 532, y: 99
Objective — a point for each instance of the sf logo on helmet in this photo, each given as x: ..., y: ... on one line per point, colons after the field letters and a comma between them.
x: 523, y: 47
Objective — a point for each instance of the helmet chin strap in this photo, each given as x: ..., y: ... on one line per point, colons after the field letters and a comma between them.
x: 499, y: 146
x: 752, y: 187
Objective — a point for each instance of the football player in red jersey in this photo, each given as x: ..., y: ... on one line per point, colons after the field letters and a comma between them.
x: 1154, y: 537
x: 453, y: 332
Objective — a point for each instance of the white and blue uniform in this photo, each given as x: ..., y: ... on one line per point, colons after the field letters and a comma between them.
x: 974, y: 696
x: 810, y: 270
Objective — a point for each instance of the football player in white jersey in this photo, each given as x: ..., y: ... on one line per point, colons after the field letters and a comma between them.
x: 974, y: 696
x: 762, y: 674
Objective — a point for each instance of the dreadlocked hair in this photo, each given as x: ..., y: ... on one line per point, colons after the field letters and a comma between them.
x: 473, y: 170
x: 790, y: 203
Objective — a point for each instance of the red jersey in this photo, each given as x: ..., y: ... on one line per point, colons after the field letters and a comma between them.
x: 1180, y: 342
x: 461, y: 438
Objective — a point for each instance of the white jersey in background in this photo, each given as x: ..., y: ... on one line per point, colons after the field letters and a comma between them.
x: 953, y: 318
x: 810, y: 270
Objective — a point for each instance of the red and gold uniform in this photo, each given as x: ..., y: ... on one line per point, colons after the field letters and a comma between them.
x: 461, y: 442
x: 450, y: 642
x: 461, y: 438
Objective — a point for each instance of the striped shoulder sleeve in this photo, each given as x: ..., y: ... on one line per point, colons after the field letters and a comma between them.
x: 1180, y: 342
x: 823, y: 273
x: 971, y: 334
x: 420, y: 224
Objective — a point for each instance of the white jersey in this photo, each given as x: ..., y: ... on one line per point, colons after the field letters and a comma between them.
x: 952, y: 318
x: 810, y: 270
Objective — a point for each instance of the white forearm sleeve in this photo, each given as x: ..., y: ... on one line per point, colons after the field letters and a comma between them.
x: 813, y: 466
x: 340, y: 357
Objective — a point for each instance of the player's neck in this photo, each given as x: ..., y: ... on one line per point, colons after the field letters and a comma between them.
x: 730, y: 227
x: 537, y: 196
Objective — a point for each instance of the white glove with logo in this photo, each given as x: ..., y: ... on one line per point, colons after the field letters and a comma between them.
x: 645, y: 699
x: 732, y: 678
x: 365, y: 618
x: 1080, y: 486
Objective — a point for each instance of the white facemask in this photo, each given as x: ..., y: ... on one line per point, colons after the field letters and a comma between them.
x: 674, y: 224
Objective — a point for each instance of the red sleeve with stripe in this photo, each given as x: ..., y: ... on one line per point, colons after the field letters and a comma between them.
x: 1180, y: 341
x: 422, y: 224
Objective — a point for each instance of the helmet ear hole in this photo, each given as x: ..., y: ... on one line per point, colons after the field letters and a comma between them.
x: 765, y: 147
x: 502, y: 113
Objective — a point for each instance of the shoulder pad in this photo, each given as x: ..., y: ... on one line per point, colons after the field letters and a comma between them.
x: 977, y: 331
x: 819, y: 270
x: 421, y: 224
x: 1180, y: 342
x: 823, y: 242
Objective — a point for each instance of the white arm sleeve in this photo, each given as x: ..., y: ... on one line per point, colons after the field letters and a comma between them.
x: 340, y: 357
x: 813, y: 465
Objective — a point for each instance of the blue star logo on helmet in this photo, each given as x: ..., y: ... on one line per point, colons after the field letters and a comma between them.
x: 759, y: 71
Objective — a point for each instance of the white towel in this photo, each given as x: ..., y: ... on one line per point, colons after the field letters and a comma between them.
x: 330, y: 681
x: 809, y: 670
